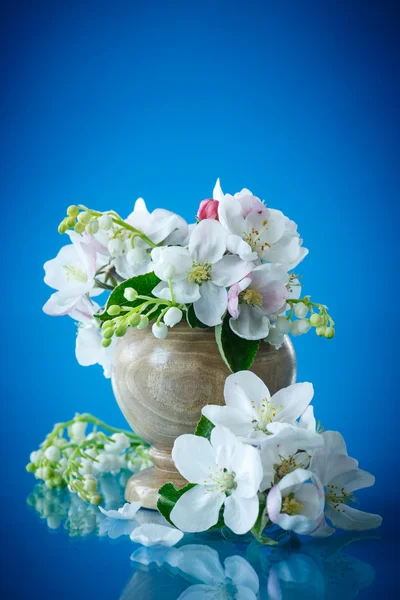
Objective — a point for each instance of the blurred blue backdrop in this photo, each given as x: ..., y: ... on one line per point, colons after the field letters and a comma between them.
x: 104, y: 102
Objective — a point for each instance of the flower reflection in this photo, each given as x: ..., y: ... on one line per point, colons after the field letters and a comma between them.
x: 317, y: 570
x: 61, y: 508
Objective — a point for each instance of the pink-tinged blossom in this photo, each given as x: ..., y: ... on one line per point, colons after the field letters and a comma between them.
x: 208, y: 209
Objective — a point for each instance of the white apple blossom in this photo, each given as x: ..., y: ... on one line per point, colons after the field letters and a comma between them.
x: 200, y: 273
x: 252, y: 227
x: 341, y: 477
x: 226, y: 473
x: 290, y: 447
x: 89, y: 349
x: 296, y: 505
x: 250, y: 409
x: 261, y: 293
x: 72, y: 274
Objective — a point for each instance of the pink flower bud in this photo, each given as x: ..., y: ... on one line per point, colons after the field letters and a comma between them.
x: 208, y: 209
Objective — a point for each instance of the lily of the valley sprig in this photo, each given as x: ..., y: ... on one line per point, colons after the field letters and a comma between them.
x: 232, y: 270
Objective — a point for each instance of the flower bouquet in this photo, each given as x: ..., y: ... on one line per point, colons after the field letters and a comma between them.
x: 231, y: 270
x: 259, y: 461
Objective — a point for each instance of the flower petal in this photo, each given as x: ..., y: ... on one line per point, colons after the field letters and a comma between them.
x: 197, y: 509
x: 151, y: 534
x: 252, y: 323
x: 218, y: 194
x: 207, y: 241
x: 248, y: 468
x: 239, y: 422
x: 193, y: 456
x: 198, y: 562
x: 244, y: 389
x: 185, y: 291
x: 212, y: 303
x: 229, y: 270
x: 230, y: 215
x: 346, y: 517
x: 240, y: 572
x: 236, y: 245
x: 172, y: 263
x: 353, y: 480
x: 127, y: 512
x: 240, y: 514
x: 327, y: 466
x: 292, y: 401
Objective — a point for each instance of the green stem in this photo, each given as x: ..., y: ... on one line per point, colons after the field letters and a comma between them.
x: 118, y: 221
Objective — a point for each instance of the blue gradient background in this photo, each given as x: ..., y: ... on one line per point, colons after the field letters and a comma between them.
x: 104, y: 102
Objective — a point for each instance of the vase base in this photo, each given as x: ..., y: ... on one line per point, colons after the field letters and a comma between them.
x: 143, y: 486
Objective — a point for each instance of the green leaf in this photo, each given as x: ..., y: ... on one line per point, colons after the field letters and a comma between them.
x: 238, y: 353
x: 193, y: 321
x: 204, y: 427
x: 143, y: 284
x: 169, y: 496
x: 262, y: 522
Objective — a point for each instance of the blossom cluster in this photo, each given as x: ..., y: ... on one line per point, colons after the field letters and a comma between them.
x: 262, y: 460
x: 71, y: 457
x: 233, y: 267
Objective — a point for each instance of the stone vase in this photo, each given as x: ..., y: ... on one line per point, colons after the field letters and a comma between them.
x: 162, y: 385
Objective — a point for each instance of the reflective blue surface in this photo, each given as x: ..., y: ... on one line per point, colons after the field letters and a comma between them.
x: 103, y: 561
x: 103, y: 102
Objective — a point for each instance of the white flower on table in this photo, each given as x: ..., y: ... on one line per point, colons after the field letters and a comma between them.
x: 261, y: 293
x: 296, y: 503
x: 200, y: 273
x: 341, y: 477
x: 72, y: 274
x: 226, y: 473
x: 250, y: 409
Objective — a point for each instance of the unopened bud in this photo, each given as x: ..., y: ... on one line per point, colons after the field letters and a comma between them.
x: 320, y: 331
x: 108, y: 333
x: 106, y: 342
x: 84, y: 217
x: 93, y: 226
x: 105, y: 222
x: 107, y: 324
x: 134, y: 320
x: 30, y: 467
x: 283, y: 325
x: 316, y: 320
x: 130, y: 294
x: 300, y: 310
x: 173, y: 316
x: 329, y: 333
x: 121, y: 329
x: 47, y: 473
x: 144, y: 321
x: 72, y: 211
x: 115, y: 247
x: 160, y: 330
x: 71, y: 221
x: 79, y: 228
x: 62, y: 228
x: 52, y: 454
x: 90, y: 484
x: 300, y: 327
x: 114, y: 310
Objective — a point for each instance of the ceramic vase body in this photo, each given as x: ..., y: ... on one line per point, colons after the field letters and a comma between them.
x: 162, y: 385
